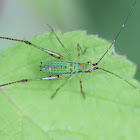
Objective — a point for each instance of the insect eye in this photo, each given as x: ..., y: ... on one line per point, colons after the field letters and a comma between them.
x: 89, y: 62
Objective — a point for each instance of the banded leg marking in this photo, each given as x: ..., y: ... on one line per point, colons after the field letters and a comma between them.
x: 78, y: 46
x: 27, y: 80
x: 81, y: 88
x: 114, y: 41
x: 42, y: 49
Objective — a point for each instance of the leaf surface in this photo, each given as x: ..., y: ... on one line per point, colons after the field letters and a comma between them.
x: 111, y: 109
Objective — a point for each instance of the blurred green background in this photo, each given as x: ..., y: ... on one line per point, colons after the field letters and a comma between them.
x: 25, y: 19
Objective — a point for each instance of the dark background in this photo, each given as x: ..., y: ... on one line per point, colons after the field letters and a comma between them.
x: 24, y: 19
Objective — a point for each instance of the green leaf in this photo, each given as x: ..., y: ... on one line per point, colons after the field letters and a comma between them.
x: 111, y: 109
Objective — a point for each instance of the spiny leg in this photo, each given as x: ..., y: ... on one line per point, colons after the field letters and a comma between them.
x: 59, y: 40
x: 81, y: 88
x: 53, y: 54
x: 61, y: 86
x: 37, y: 79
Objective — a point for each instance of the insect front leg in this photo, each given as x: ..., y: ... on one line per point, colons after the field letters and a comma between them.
x: 59, y: 40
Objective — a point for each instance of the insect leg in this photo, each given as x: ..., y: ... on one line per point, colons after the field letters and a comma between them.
x: 61, y: 86
x: 53, y: 54
x: 78, y: 46
x: 27, y: 80
x: 59, y: 40
x: 81, y: 88
x: 83, y: 52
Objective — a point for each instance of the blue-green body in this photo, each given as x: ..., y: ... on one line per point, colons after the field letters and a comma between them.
x: 63, y: 67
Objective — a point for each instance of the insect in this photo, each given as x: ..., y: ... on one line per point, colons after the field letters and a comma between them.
x: 63, y: 68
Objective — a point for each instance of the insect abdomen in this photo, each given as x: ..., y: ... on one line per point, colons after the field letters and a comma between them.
x: 62, y: 67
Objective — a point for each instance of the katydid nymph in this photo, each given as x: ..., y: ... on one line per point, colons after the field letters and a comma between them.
x: 62, y: 67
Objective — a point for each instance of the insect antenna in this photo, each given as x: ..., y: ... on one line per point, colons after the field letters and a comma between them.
x: 113, y: 42
x: 118, y: 77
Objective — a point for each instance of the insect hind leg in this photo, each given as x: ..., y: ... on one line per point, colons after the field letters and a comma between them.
x: 37, y: 79
x: 53, y: 54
